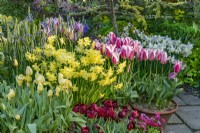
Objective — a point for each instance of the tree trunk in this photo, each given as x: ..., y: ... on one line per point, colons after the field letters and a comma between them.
x: 112, y: 11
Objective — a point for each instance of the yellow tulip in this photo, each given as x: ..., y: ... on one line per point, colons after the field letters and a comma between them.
x: 17, y: 117
x: 39, y: 78
x: 20, y: 79
x: 50, y: 93
x: 15, y: 63
x: 40, y: 87
x: 29, y: 71
x: 11, y: 94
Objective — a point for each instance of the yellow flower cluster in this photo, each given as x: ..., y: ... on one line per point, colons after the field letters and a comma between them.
x: 121, y: 67
x: 66, y: 70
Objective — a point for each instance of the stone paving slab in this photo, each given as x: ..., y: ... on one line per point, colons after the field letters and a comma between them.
x: 190, y: 115
x: 197, y: 132
x: 174, y: 120
x: 189, y: 99
x: 179, y: 101
x: 180, y: 128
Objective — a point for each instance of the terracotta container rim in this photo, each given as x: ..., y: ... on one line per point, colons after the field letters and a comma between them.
x: 153, y: 113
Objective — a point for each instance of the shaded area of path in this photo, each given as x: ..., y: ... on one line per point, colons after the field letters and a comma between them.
x: 187, y: 117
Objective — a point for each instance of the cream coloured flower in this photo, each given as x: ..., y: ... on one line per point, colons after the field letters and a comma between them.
x: 29, y: 71
x: 20, y: 79
x: 17, y: 117
x: 11, y: 94
x: 40, y: 87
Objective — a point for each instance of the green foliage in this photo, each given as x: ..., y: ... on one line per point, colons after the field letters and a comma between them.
x: 192, y: 72
x: 176, y: 30
x: 157, y: 91
x: 29, y: 111
x: 16, y: 9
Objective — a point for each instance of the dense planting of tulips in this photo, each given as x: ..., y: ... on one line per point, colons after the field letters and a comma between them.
x: 110, y: 111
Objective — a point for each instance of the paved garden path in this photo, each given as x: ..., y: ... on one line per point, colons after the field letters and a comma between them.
x: 187, y: 117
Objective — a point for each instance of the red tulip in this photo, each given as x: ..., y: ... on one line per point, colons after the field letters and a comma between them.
x: 85, y: 129
x: 83, y: 109
x: 130, y: 126
x: 107, y: 103
x: 102, y: 112
x: 135, y: 114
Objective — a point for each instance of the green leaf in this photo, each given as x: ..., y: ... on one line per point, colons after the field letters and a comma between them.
x: 32, y: 128
x: 178, y: 91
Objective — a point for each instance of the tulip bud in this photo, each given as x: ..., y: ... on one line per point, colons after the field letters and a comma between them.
x: 15, y: 63
x: 123, y: 51
x: 3, y: 106
x: 57, y: 91
x: 164, y: 58
x: 20, y: 79
x: 50, y: 93
x: 29, y: 71
x: 40, y: 88
x: 11, y: 94
x: 17, y: 117
x: 118, y: 43
x: 152, y: 54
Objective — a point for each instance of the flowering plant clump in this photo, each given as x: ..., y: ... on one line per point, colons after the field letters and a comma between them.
x: 148, y: 68
x: 81, y: 71
x: 73, y: 30
x: 24, y: 109
x: 174, y: 48
x: 109, y: 114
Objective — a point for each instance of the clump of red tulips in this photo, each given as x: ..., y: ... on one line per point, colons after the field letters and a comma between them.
x: 110, y: 111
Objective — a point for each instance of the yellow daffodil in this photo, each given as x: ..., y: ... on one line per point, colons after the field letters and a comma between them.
x: 51, y: 77
x: 121, y: 67
x: 118, y: 86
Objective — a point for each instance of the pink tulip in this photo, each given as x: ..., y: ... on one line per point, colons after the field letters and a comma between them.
x: 127, y: 52
x: 115, y: 58
x: 177, y: 66
x: 109, y: 50
x: 172, y: 75
x: 98, y: 46
x: 158, y: 54
x: 138, y: 51
x: 152, y: 54
x: 130, y: 52
x: 112, y: 38
x: 145, y: 54
x: 135, y: 45
x: 164, y: 58
x: 123, y: 51
x: 118, y: 43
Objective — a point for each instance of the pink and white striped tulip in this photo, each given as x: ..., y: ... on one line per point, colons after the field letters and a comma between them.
x: 177, y: 66
x: 109, y: 50
x: 115, y: 58
x: 152, y: 54
x: 112, y: 38
x: 164, y: 58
